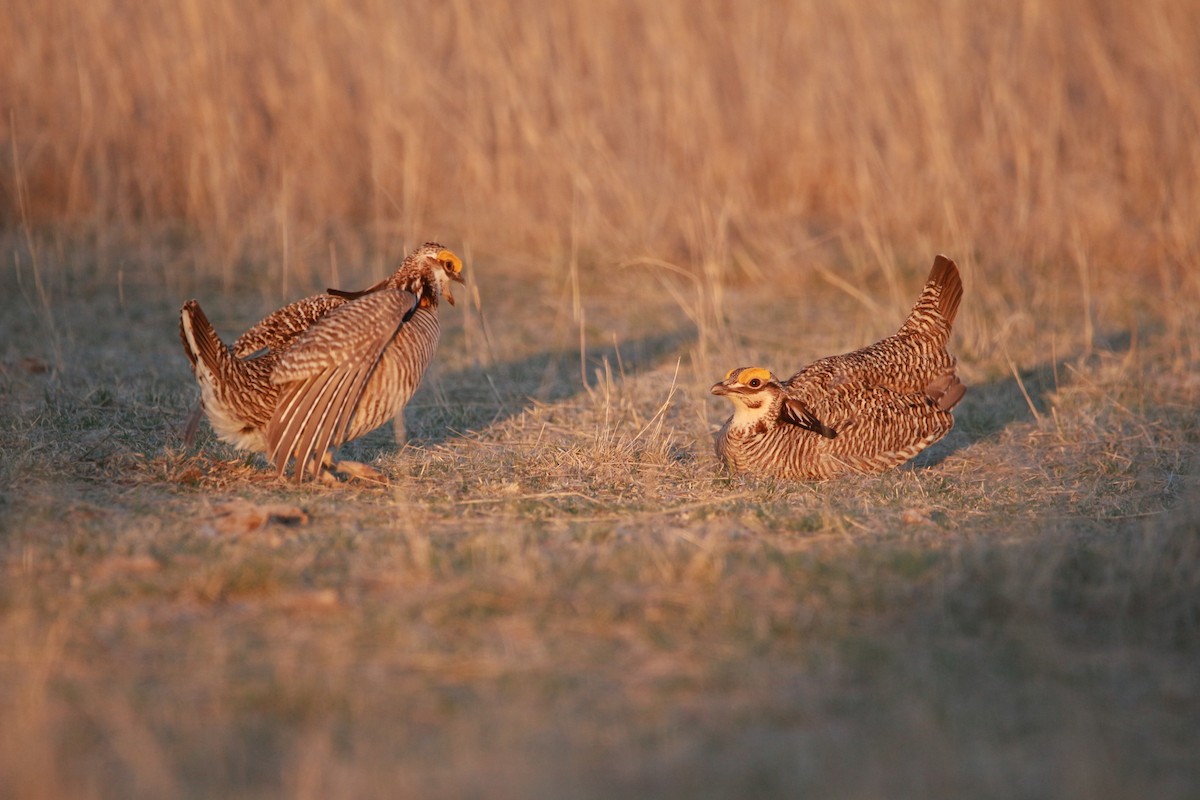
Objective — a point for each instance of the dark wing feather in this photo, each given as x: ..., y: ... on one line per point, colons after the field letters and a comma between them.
x: 354, y: 295
x: 323, y: 376
x: 798, y: 414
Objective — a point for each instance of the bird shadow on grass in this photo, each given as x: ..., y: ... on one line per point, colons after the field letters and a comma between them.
x: 480, y: 396
x: 989, y: 408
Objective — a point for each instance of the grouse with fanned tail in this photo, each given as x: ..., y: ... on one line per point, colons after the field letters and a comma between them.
x: 865, y: 411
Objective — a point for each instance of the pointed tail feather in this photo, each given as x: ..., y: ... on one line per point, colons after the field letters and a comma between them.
x: 200, y: 341
x: 944, y: 287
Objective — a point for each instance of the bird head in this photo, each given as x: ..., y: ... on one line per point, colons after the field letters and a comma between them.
x: 428, y: 272
x: 444, y: 266
x: 752, y: 390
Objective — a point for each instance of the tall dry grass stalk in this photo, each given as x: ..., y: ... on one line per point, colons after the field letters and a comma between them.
x: 1008, y: 132
x: 646, y: 194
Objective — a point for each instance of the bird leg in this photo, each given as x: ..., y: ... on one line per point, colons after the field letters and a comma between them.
x: 193, y: 424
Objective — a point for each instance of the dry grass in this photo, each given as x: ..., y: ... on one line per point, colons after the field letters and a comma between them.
x: 559, y: 595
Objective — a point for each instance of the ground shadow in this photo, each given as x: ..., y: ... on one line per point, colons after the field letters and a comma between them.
x: 989, y: 408
x: 481, y: 396
x: 453, y: 402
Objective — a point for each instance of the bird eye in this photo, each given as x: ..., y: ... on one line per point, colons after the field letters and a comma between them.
x: 755, y: 383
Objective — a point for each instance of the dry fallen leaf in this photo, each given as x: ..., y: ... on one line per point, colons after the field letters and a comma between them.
x: 241, y: 516
x: 308, y: 602
x: 86, y: 512
x: 188, y: 475
x: 120, y: 566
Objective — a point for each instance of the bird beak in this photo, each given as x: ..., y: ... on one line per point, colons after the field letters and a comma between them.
x: 457, y: 278
x: 720, y: 388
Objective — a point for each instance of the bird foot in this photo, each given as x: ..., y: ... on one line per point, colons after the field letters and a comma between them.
x: 358, y: 471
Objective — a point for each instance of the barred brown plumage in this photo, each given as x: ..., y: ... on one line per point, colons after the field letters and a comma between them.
x: 863, y: 411
x: 322, y: 370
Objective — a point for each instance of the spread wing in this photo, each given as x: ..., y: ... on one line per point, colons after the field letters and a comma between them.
x: 323, y: 375
x: 280, y: 328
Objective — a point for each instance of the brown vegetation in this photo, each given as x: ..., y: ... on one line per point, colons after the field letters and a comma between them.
x: 560, y: 594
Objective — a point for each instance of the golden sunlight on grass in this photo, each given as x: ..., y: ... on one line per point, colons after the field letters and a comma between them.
x: 559, y: 594
x: 1034, y: 129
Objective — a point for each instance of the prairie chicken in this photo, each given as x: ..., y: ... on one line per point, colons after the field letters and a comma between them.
x: 325, y: 369
x: 865, y: 411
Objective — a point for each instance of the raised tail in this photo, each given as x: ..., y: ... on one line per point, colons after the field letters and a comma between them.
x: 200, y: 342
x: 933, y: 314
x: 943, y: 289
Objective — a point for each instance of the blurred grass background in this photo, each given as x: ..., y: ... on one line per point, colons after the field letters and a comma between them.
x: 560, y: 596
x: 1023, y: 134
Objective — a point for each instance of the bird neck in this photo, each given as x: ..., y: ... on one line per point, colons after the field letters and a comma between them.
x: 419, y: 283
x: 756, y: 413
